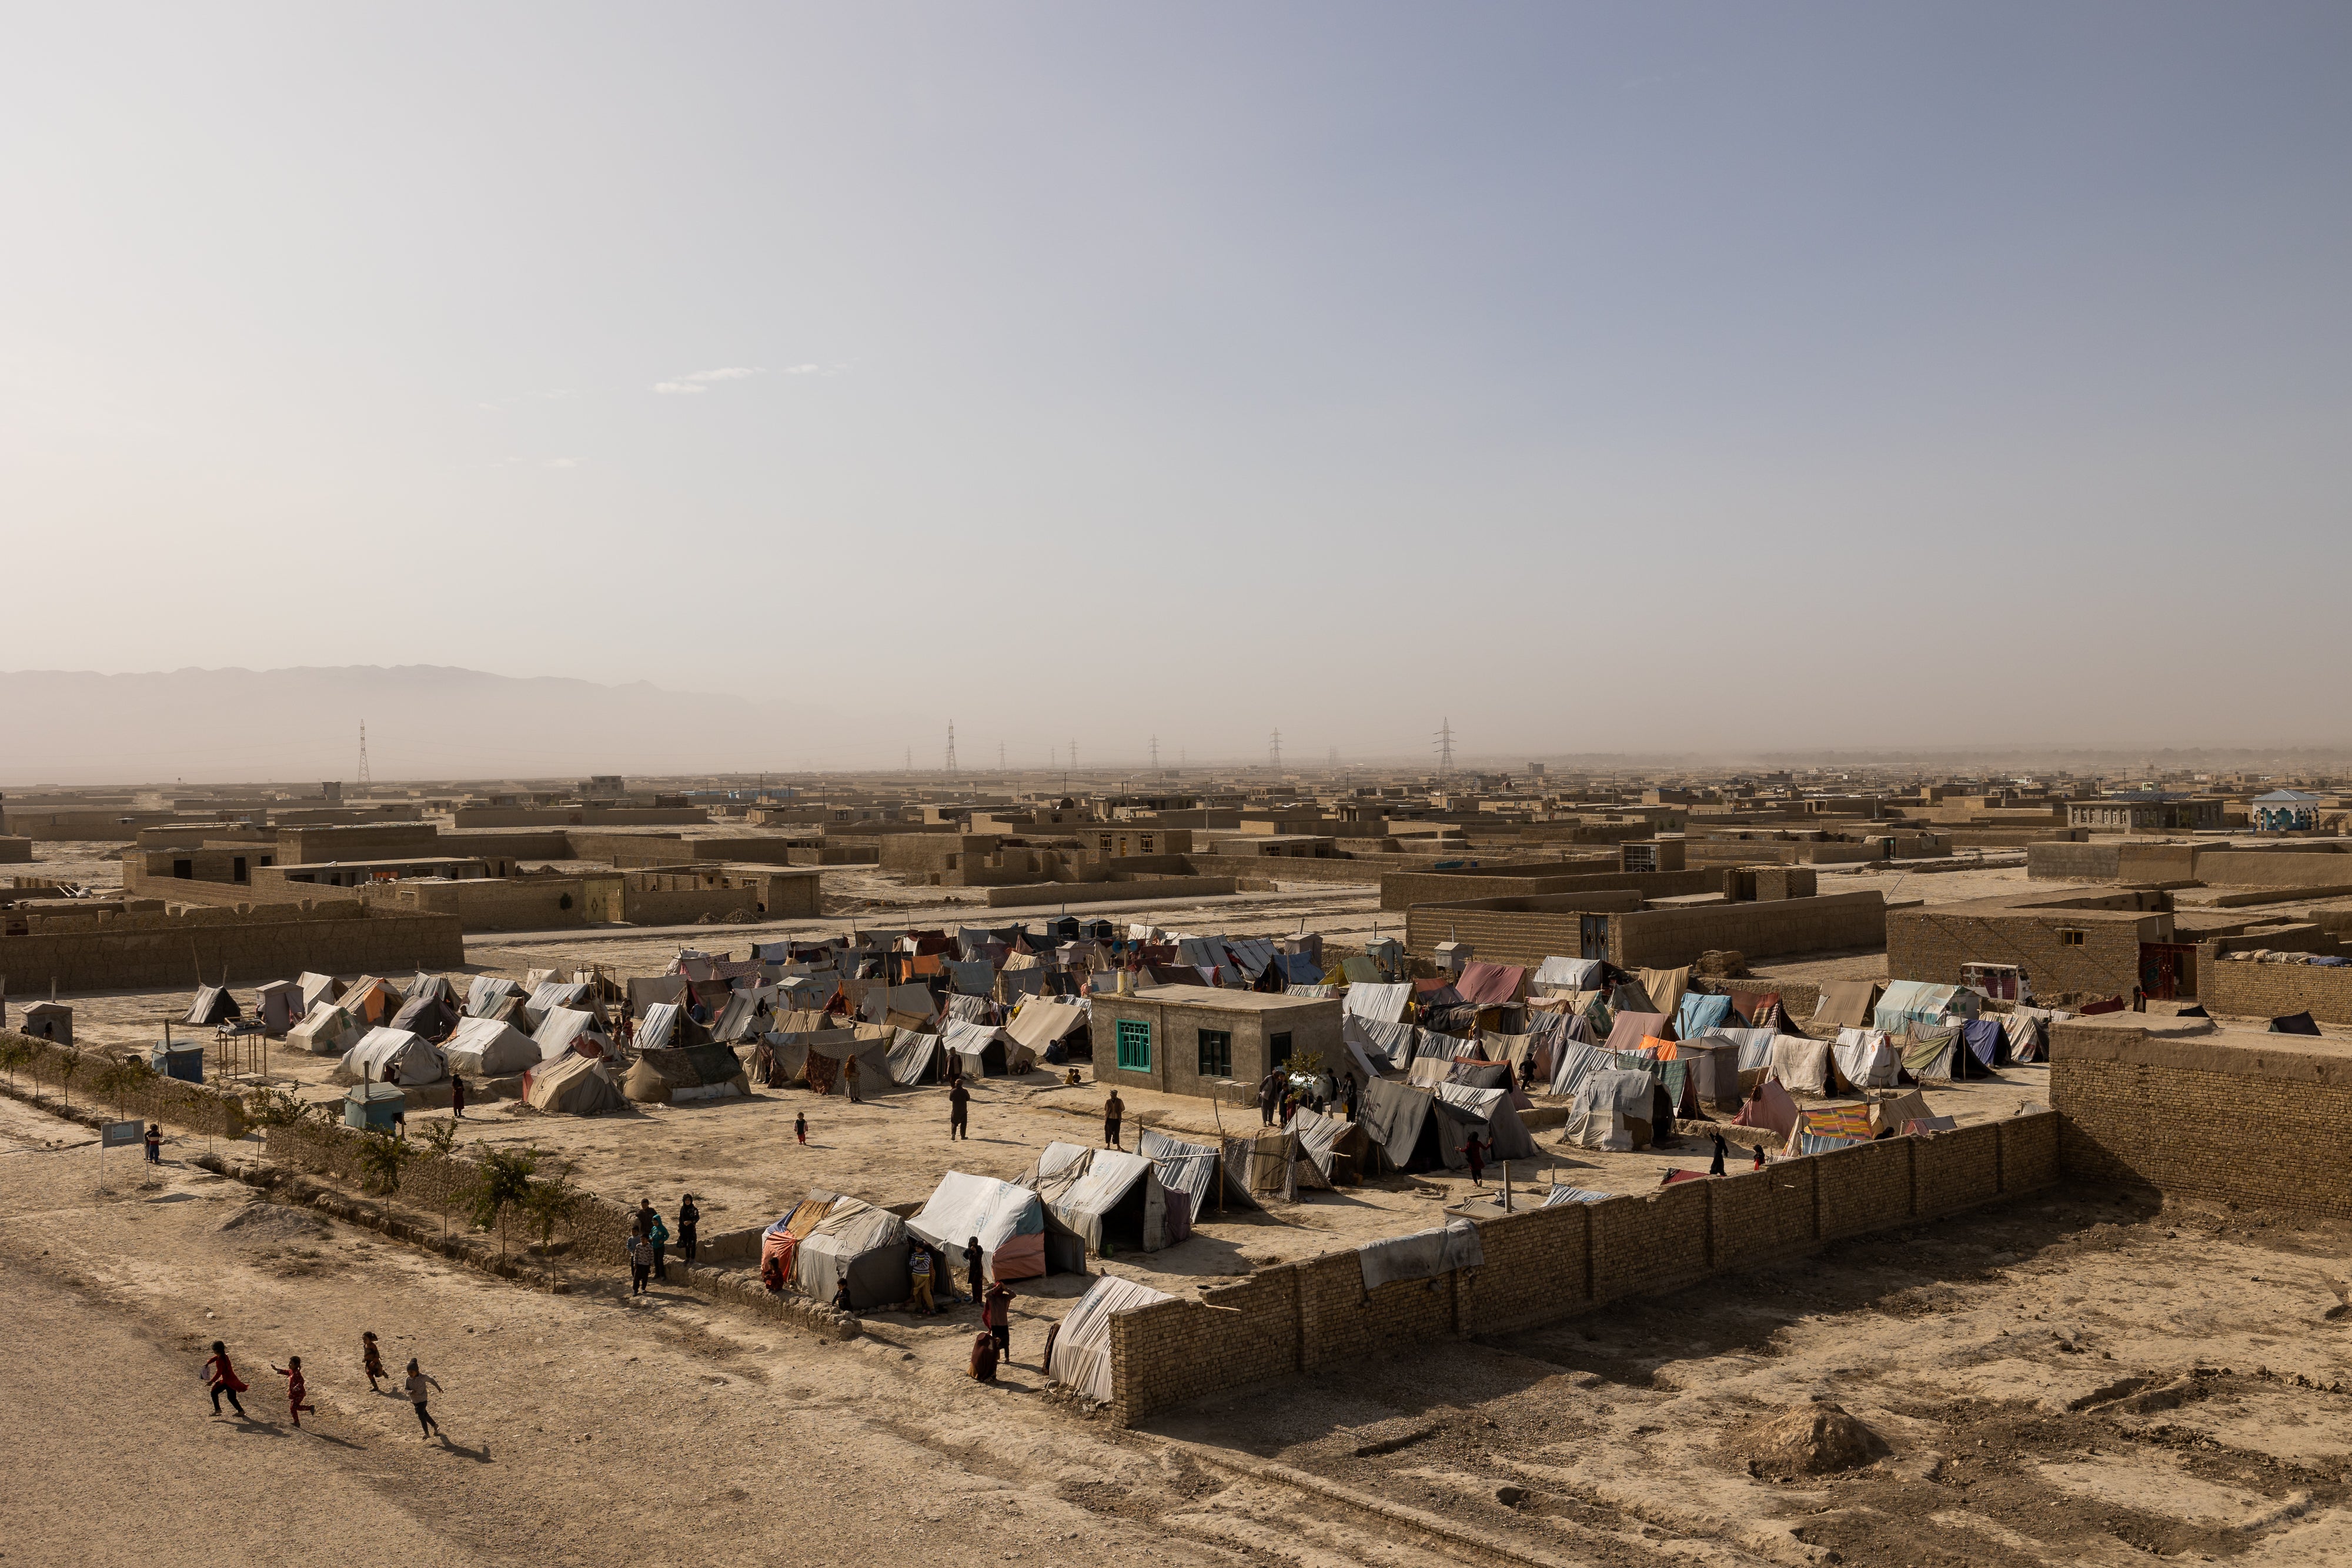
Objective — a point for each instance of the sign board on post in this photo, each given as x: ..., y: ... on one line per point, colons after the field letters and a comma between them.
x: 120, y: 1134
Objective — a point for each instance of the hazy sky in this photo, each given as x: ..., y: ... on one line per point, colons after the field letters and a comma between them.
x: 1602, y: 377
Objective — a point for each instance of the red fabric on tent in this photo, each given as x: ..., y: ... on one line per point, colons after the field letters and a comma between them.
x: 1770, y: 1107
x: 1491, y: 985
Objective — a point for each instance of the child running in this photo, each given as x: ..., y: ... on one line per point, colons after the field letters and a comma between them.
x: 418, y: 1382
x: 295, y: 1390
x: 371, y: 1361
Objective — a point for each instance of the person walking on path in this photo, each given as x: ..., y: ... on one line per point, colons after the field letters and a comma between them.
x: 1475, y: 1150
x: 1721, y: 1149
x: 972, y: 1262
x: 220, y: 1377
x: 918, y: 1269
x: 996, y: 1311
x: 849, y: 1080
x: 457, y: 1095
x: 417, y: 1382
x: 1114, y: 1110
x: 371, y: 1361
x: 641, y: 1262
x: 154, y: 1142
x: 959, y: 1113
x: 800, y: 1126
x: 658, y: 1234
x: 689, y: 1218
x: 294, y: 1388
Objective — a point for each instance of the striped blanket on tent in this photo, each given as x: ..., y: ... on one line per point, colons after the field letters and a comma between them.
x: 1826, y: 1127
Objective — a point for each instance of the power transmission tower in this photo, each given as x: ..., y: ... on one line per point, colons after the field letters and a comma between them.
x: 365, y: 778
x: 1155, y: 756
x: 951, y: 761
x: 910, y: 759
x: 1333, y: 764
x: 1274, y: 752
x: 1444, y: 744
x: 1000, y: 757
x: 1073, y: 757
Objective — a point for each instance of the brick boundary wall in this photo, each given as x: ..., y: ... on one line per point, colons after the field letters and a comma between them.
x: 156, y: 1099
x: 2266, y: 1123
x: 2247, y: 989
x: 177, y: 951
x: 1552, y: 1263
x: 1030, y: 894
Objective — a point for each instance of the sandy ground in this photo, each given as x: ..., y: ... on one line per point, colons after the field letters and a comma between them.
x: 2064, y: 1380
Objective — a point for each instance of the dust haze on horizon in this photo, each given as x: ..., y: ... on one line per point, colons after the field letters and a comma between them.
x: 1672, y: 381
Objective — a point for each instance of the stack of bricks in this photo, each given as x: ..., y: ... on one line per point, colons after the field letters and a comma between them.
x: 1549, y: 1263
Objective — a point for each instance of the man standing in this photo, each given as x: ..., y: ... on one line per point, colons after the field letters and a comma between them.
x: 971, y: 1262
x: 457, y: 1095
x: 1114, y: 1110
x: 1268, y: 1090
x: 959, y: 1113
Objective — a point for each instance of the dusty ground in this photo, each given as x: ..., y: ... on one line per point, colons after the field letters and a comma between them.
x: 2067, y: 1380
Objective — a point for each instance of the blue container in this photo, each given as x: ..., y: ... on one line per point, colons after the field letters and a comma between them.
x: 185, y: 1062
x: 374, y: 1107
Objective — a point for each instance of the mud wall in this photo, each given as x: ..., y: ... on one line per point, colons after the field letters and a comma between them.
x: 1555, y: 1263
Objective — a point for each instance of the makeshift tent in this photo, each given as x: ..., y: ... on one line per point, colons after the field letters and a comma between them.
x: 646, y: 990
x: 660, y: 1027
x: 1892, y: 1112
x: 317, y: 988
x: 1801, y: 1065
x: 1632, y: 1028
x: 830, y: 1052
x: 1018, y: 1239
x: 981, y: 1048
x: 1080, y: 1360
x: 1929, y: 1052
x: 1556, y: 1195
x: 572, y: 1086
x: 213, y: 1004
x: 686, y: 1074
x: 1421, y: 1255
x: 1397, y: 1118
x: 1391, y: 1045
x: 1493, y: 1108
x: 570, y: 1029
x: 390, y: 1056
x: 744, y: 1015
x: 326, y: 1030
x: 370, y: 999
x: 1713, y: 1067
x: 1848, y: 1004
x: 1701, y: 1012
x: 913, y: 1058
x: 1612, y: 1111
x: 1263, y: 1165
x: 485, y: 1048
x: 1825, y: 1127
x: 1575, y: 1062
x: 550, y: 995
x: 1770, y: 1107
x: 432, y: 1017
x: 1040, y: 1024
x: 1113, y: 1200
x: 1986, y: 1042
x: 1755, y: 1046
x: 2295, y: 1023
x: 436, y: 988
x: 1491, y: 985
x: 915, y: 1000
x: 1666, y: 988
x: 2029, y: 1032
x: 1760, y: 1009
x: 857, y: 1241
x: 1555, y: 975
x: 278, y: 1006
x: 1380, y: 1003
x: 1866, y: 1060
x: 484, y: 992
x: 1906, y: 1002
x: 1193, y: 1175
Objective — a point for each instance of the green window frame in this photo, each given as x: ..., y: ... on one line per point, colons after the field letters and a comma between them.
x: 1134, y: 1045
x: 1216, y: 1054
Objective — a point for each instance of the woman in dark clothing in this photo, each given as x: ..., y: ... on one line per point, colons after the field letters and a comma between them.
x: 688, y: 1217
x: 972, y: 1261
x: 221, y: 1377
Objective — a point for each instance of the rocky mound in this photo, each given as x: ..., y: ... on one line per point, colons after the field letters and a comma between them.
x: 1814, y: 1439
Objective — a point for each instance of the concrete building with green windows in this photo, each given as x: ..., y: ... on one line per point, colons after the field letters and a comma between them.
x: 1189, y: 1039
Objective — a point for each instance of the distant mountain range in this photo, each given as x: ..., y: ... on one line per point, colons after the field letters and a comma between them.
x: 423, y: 722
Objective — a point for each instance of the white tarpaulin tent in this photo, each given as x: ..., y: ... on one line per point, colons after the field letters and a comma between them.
x: 326, y: 1030
x: 484, y: 992
x: 489, y: 1049
x: 1558, y: 974
x: 1040, y: 1023
x: 1866, y: 1059
x: 317, y: 988
x: 1009, y: 1221
x: 562, y: 1030
x: 1081, y: 1358
x: 1102, y: 1195
x: 1383, y: 1004
x: 392, y: 1056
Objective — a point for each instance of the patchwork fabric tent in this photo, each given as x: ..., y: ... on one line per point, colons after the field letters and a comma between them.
x: 1821, y: 1128
x: 854, y: 1239
x: 1801, y: 1065
x: 485, y: 1048
x: 570, y: 1029
x: 1018, y: 1239
x: 213, y: 1004
x: 1632, y: 1028
x: 326, y: 1030
x: 1612, y: 1111
x: 571, y: 1085
x: 687, y: 1073
x: 1931, y: 1053
x: 1112, y: 1200
x: 369, y: 999
x: 390, y: 1056
x: 1081, y: 1355
x: 278, y: 1006
x: 1848, y: 1004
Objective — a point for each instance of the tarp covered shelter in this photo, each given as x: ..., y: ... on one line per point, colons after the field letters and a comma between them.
x: 1612, y: 1111
x: 370, y: 999
x: 550, y: 995
x: 1866, y: 1059
x: 435, y: 986
x: 744, y: 1014
x: 1558, y: 974
x: 1906, y: 1002
x: 1018, y: 1239
x: 1492, y: 1107
x: 1398, y: 1119
x: 912, y: 998
x: 484, y: 992
x: 1986, y: 1042
x: 1666, y: 988
x: 1630, y: 1030
x: 1575, y: 1062
x: 1848, y: 1004
x: 317, y: 988
x: 1389, y: 1045
x: 569, y: 1029
x: 1421, y: 1255
x: 1700, y: 1012
x: 1081, y: 1355
x: 432, y: 1017
x: 1821, y: 1128
x: 486, y: 1048
x: 213, y: 1004
x: 826, y: 1068
x: 1930, y: 1053
x: 1713, y: 1063
x: 862, y: 1243
x: 687, y: 1073
x: 1040, y: 1024
x: 1490, y: 984
x: 1380, y: 1003
x: 662, y: 1025
x: 645, y: 990
x: 981, y: 1048
x: 1801, y: 1065
x: 1193, y: 1172
x: 914, y: 1057
x: 1891, y: 1113
x: 1107, y: 1196
x: 572, y: 1086
x: 278, y: 1006
x: 1770, y: 1107
x: 392, y: 1056
x: 326, y: 1030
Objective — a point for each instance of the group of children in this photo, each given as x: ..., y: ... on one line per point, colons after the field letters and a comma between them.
x: 221, y: 1379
